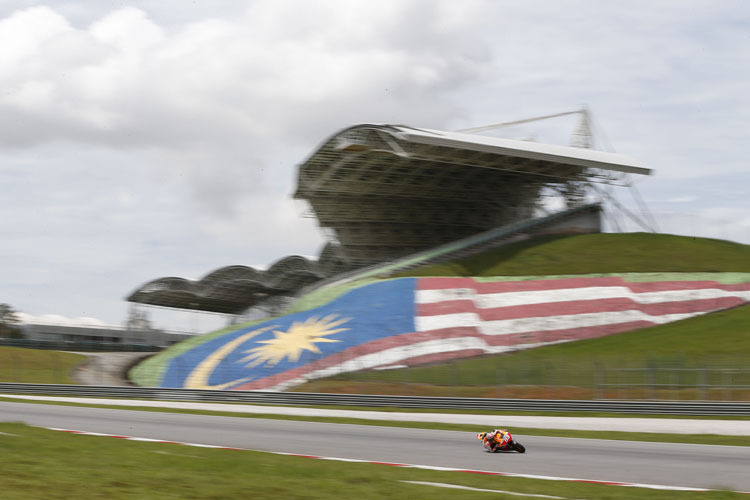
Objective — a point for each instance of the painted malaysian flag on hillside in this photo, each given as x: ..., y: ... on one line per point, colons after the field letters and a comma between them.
x: 419, y: 320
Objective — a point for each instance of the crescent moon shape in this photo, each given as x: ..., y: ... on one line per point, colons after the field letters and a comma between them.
x: 201, y: 374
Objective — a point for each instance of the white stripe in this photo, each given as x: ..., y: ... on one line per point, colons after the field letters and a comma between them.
x: 412, y: 466
x: 544, y: 323
x: 396, y: 354
x: 460, y: 487
x: 509, y: 299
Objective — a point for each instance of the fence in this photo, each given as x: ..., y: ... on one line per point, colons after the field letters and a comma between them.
x: 663, y: 379
x: 727, y: 384
x: 366, y: 400
x: 492, y: 377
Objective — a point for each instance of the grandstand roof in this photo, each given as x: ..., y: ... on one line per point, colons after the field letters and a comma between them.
x: 555, y: 156
x: 233, y: 289
x: 390, y: 190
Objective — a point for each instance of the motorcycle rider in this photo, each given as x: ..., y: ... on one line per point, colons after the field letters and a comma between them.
x: 489, y: 438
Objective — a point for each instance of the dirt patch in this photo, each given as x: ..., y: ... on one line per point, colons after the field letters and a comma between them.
x: 107, y: 368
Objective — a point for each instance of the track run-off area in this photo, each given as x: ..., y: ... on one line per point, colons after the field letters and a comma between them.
x: 631, y: 462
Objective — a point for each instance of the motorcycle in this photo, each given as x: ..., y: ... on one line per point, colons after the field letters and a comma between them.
x: 500, y: 440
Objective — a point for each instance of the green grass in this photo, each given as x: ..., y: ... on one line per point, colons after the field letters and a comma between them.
x: 36, y: 366
x: 39, y: 463
x: 599, y: 253
x: 705, y: 344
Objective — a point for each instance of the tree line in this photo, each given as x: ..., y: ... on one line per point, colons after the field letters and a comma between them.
x: 9, y: 323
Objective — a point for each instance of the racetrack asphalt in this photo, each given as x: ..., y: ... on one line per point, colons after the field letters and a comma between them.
x: 687, y: 465
x: 633, y: 424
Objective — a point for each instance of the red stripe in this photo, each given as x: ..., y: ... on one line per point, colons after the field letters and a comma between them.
x: 392, y: 464
x: 523, y: 338
x: 586, y: 332
x: 606, y: 483
x: 440, y: 356
x: 573, y: 307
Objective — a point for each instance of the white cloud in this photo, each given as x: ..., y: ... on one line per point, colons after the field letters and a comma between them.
x: 283, y: 64
x: 283, y: 72
x: 682, y: 199
x: 171, y: 151
x: 117, y: 29
x: 161, y: 138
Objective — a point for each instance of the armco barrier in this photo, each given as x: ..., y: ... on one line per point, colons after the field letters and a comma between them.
x: 368, y: 400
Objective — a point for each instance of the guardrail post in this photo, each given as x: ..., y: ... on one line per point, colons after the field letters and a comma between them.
x: 597, y: 380
x: 727, y: 376
x: 702, y: 382
x: 500, y: 380
x: 59, y: 376
x: 15, y: 363
x: 651, y: 377
x: 304, y: 399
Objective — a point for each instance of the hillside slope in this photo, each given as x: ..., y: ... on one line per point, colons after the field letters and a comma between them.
x: 708, y: 350
x: 600, y: 253
x: 641, y: 258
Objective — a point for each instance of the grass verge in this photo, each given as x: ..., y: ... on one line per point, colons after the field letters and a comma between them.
x: 35, y: 366
x: 39, y: 463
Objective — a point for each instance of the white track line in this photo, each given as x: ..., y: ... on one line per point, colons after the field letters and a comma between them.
x: 410, y: 466
x: 459, y: 487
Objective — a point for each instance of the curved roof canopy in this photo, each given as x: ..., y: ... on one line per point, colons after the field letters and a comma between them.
x: 233, y: 289
x: 390, y: 190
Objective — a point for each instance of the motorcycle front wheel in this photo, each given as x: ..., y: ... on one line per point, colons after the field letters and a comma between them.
x: 519, y: 447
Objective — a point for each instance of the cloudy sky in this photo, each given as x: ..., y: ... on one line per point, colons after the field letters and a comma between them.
x: 161, y: 137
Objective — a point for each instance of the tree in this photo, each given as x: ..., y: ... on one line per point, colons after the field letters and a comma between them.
x: 9, y: 322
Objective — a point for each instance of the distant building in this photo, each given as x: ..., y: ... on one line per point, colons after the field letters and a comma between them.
x: 58, y: 329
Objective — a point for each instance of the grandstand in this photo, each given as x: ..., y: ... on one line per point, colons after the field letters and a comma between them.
x: 388, y: 193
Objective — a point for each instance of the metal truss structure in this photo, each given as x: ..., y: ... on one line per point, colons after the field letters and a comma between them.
x: 386, y: 191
